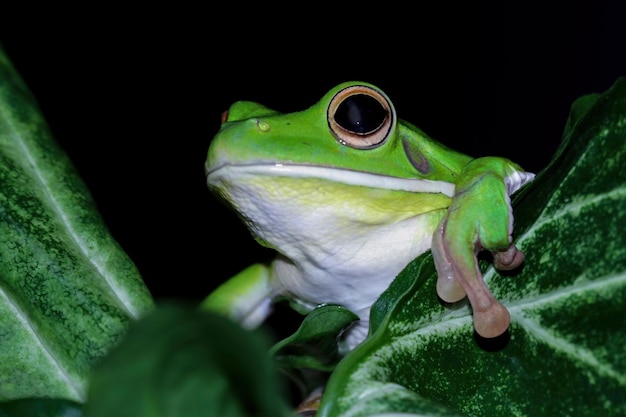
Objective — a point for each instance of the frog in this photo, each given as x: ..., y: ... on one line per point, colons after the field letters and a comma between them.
x: 347, y: 194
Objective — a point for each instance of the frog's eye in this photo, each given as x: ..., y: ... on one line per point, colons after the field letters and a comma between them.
x: 360, y: 116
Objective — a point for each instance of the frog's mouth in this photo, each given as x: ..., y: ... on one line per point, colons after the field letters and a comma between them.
x: 232, y: 172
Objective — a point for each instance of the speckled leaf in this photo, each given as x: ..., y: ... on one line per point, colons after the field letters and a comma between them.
x: 67, y: 290
x: 564, y: 353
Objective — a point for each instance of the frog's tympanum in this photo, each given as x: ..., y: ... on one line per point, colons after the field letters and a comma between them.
x: 348, y: 194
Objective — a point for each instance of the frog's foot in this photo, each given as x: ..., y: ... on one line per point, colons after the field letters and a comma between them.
x: 458, y: 277
x: 245, y: 298
x: 480, y: 217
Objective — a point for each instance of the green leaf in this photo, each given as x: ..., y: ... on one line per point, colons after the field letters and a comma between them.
x: 185, y: 362
x: 67, y: 290
x: 564, y: 353
x: 314, y: 344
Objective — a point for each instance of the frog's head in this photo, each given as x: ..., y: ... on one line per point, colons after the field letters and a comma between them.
x: 351, y: 135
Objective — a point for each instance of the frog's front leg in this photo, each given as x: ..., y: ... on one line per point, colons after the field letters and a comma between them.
x: 245, y: 298
x: 479, y: 217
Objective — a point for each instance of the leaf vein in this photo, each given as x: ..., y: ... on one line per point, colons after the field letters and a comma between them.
x: 584, y: 356
x: 564, y: 292
x: 572, y: 207
x: 23, y: 318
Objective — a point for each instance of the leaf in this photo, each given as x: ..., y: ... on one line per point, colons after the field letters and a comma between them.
x: 40, y: 407
x: 185, y: 362
x: 314, y: 344
x: 67, y: 290
x: 309, y: 355
x: 564, y: 353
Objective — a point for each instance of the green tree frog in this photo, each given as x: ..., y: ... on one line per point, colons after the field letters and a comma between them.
x: 348, y: 194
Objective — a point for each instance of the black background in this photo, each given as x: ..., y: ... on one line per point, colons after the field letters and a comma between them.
x: 135, y: 95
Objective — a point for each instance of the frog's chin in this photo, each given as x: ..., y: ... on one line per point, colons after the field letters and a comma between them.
x: 231, y: 172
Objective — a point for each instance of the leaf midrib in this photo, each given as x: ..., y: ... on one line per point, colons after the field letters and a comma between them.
x: 122, y: 296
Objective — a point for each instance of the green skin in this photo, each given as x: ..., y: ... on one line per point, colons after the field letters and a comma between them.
x: 347, y: 211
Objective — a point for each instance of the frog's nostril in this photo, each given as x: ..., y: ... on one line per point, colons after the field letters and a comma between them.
x: 224, y: 116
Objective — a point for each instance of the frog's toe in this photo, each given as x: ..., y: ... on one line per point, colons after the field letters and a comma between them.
x: 492, y: 321
x: 508, y: 259
x: 449, y: 289
x: 491, y: 318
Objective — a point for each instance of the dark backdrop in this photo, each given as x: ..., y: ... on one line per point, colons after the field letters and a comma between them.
x: 135, y: 95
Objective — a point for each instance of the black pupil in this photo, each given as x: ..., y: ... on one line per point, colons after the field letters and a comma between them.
x: 360, y: 114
